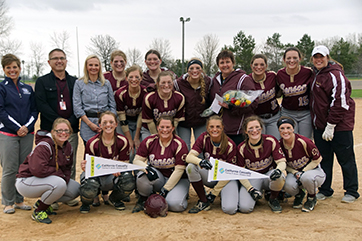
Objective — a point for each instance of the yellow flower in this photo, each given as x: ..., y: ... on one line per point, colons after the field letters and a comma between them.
x: 248, y: 102
x: 227, y: 97
x: 237, y: 102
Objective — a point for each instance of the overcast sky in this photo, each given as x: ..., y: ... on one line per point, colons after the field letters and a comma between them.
x: 135, y: 23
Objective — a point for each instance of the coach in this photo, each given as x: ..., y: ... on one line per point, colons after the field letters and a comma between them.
x: 54, y: 92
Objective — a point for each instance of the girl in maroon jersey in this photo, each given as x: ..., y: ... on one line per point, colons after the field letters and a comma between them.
x: 129, y: 101
x: 117, y: 76
x: 153, y: 62
x: 304, y: 171
x: 163, y: 157
x: 294, y: 82
x: 213, y: 143
x: 194, y: 85
x: 268, y: 107
x: 260, y: 153
x: 164, y: 101
x: 107, y: 144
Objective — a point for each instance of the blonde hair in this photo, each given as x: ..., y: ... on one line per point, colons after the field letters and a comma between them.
x: 134, y: 67
x: 224, y: 138
x: 202, y: 82
x: 118, y: 53
x: 55, y: 124
x: 85, y: 78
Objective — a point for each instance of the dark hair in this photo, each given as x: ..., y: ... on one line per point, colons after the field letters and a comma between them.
x: 284, y: 120
x: 134, y: 68
x: 225, y: 54
x: 245, y: 128
x: 153, y: 51
x: 259, y: 56
x: 8, y: 59
x: 57, y: 50
x: 292, y: 49
x: 162, y: 74
x: 114, y: 152
x: 224, y: 138
x: 107, y: 112
x: 165, y: 117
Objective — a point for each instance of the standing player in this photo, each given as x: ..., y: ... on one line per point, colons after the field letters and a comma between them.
x: 153, y: 62
x: 213, y: 143
x: 268, y: 107
x: 194, y: 85
x: 333, y: 112
x: 294, y: 82
x: 163, y: 157
x: 164, y: 101
x: 117, y: 76
x: 107, y: 144
x: 129, y: 101
x: 260, y: 153
x: 304, y: 171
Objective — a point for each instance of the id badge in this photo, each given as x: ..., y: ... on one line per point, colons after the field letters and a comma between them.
x: 62, y: 105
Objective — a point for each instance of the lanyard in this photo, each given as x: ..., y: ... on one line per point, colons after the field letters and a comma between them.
x: 61, y: 90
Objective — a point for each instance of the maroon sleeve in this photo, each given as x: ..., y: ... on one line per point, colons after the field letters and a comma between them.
x: 277, y: 151
x: 231, y: 158
x: 119, y: 102
x: 239, y: 155
x: 39, y: 161
x: 198, y: 145
x: 147, y: 114
x: 180, y: 114
x: 143, y: 150
x: 312, y: 150
x: 123, y: 154
x: 180, y: 157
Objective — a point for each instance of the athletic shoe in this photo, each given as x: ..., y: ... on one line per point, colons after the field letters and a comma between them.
x: 309, y: 204
x: 23, y: 207
x: 298, y: 200
x: 119, y: 205
x: 49, y: 210
x: 140, y: 206
x: 55, y: 206
x: 85, y: 208
x: 41, y: 217
x: 320, y: 196
x: 275, y: 205
x: 348, y: 199
x: 72, y: 203
x: 126, y: 199
x: 199, y: 207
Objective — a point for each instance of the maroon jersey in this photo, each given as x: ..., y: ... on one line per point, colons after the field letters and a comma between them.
x: 295, y: 88
x: 154, y: 107
x: 268, y: 103
x: 150, y: 83
x: 203, y: 144
x: 127, y: 105
x: 116, y: 84
x: 193, y: 99
x: 163, y: 158
x: 301, y: 153
x: 260, y: 158
x: 116, y: 151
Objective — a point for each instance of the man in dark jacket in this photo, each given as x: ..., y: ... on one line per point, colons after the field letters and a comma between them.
x: 54, y: 93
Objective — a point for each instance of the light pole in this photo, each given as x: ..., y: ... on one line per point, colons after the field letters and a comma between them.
x: 23, y: 67
x: 183, y: 40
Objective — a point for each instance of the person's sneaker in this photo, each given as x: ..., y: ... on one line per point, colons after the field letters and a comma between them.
x: 275, y: 205
x: 41, y: 217
x: 119, y: 205
x: 72, y: 203
x: 126, y: 199
x: 309, y: 204
x: 298, y: 200
x: 55, y: 206
x: 320, y: 196
x: 85, y: 208
x: 348, y: 199
x: 199, y: 207
x: 140, y: 206
x: 49, y: 210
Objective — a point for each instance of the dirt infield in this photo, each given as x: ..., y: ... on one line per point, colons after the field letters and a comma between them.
x: 331, y: 219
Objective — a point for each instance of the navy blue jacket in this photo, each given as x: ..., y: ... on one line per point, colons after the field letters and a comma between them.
x: 17, y: 107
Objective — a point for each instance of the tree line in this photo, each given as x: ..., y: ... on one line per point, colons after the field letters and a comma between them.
x: 347, y: 51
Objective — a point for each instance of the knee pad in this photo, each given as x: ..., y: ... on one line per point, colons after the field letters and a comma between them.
x: 123, y: 186
x: 89, y: 189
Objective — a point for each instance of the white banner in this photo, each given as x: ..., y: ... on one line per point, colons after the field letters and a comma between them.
x: 98, y: 166
x: 225, y: 171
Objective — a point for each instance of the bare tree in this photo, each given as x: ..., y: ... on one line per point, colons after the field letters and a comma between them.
x: 207, y: 49
x: 61, y: 40
x: 134, y: 56
x: 164, y: 47
x: 37, y: 58
x: 103, y: 46
x: 9, y: 46
x: 5, y: 21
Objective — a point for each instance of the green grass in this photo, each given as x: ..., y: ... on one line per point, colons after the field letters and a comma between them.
x: 356, y: 93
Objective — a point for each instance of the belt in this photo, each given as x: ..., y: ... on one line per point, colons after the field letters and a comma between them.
x: 267, y: 115
x: 92, y: 114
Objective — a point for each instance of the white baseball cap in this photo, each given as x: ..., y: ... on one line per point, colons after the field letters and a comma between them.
x: 321, y: 49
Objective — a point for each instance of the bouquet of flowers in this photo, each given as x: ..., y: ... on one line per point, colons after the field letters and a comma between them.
x: 239, y: 98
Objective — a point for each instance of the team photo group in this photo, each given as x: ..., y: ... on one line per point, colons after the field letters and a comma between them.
x: 287, y: 126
